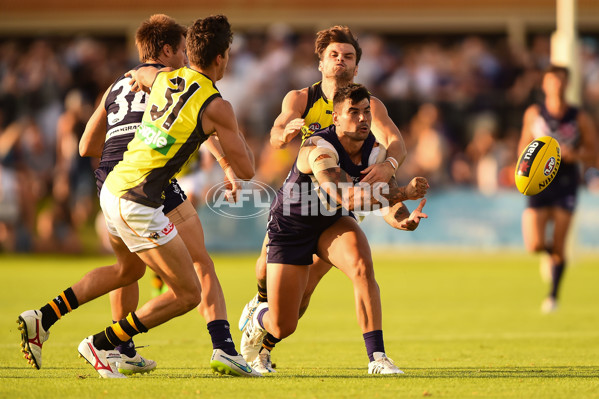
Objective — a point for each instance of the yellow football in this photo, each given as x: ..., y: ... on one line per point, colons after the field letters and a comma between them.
x: 538, y: 165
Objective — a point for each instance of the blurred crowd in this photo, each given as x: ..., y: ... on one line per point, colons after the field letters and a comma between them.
x: 458, y: 102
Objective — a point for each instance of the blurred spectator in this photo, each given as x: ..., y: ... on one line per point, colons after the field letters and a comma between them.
x: 73, y: 186
x: 428, y: 151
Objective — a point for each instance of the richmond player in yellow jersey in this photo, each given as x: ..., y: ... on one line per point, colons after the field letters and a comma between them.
x: 183, y: 110
x: 310, y: 109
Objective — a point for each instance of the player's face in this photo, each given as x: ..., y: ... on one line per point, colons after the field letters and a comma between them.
x: 353, y: 120
x: 554, y: 84
x: 178, y: 59
x: 339, y: 62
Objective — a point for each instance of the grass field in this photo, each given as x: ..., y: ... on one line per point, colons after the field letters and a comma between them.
x: 459, y: 324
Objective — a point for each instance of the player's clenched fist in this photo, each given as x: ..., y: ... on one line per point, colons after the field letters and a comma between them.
x: 417, y: 188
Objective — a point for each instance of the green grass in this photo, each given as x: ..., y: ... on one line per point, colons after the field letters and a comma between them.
x: 459, y: 324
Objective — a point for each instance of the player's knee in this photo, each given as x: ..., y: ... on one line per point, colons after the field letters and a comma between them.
x: 129, y: 274
x: 362, y: 270
x: 204, y: 267
x: 534, y: 246
x: 189, y: 299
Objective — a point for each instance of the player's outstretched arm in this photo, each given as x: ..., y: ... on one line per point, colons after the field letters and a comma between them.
x: 92, y: 140
x: 390, y: 137
x: 319, y: 158
x: 526, y: 135
x: 219, y: 118
x: 398, y: 216
x: 289, y: 122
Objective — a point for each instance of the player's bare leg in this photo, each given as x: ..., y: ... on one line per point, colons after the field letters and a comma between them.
x: 35, y: 324
x: 261, y: 297
x: 561, y: 225
x: 345, y: 245
x: 317, y: 271
x: 276, y: 319
x: 224, y: 359
x: 534, y: 224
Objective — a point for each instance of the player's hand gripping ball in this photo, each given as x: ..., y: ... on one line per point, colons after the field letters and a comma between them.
x: 538, y: 165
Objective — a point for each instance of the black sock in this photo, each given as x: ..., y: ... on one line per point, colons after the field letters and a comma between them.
x: 64, y: 303
x: 220, y: 333
x: 106, y: 340
x: 127, y: 348
x: 118, y: 333
x: 374, y: 343
x: 557, y: 271
x: 262, y: 297
x: 269, y: 342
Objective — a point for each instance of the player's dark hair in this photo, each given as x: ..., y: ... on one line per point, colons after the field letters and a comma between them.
x: 336, y: 34
x: 156, y: 32
x: 354, y: 91
x: 557, y: 69
x: 207, y: 38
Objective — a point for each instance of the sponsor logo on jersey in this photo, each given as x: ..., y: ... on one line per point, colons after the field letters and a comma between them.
x: 528, y: 158
x: 314, y: 126
x: 549, y: 166
x: 155, y: 138
x: 122, y: 129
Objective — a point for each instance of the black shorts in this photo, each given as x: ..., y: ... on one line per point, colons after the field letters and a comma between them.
x: 292, y: 240
x: 562, y: 192
x: 173, y: 194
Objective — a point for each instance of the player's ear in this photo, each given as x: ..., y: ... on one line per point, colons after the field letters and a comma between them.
x: 320, y: 66
x: 220, y: 59
x: 167, y: 50
x: 335, y: 118
x: 356, y: 71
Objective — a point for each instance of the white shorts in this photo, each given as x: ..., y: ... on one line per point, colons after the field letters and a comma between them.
x: 139, y: 226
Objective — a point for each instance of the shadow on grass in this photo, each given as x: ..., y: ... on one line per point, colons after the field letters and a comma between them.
x: 347, y: 373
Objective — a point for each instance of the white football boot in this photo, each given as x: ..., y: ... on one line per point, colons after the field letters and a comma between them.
x: 101, y: 360
x: 549, y: 305
x: 382, y: 365
x: 225, y: 364
x: 262, y: 363
x: 248, y: 311
x: 253, y: 333
x: 33, y: 336
x: 135, y: 365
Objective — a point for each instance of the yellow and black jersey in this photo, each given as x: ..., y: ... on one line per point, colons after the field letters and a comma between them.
x: 318, y: 113
x: 169, y: 134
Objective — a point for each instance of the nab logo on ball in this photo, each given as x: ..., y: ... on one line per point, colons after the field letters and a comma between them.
x: 538, y: 165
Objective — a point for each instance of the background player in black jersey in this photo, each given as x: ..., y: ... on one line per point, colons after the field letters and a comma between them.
x: 160, y: 42
x: 331, y: 162
x: 573, y: 129
x: 311, y: 108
